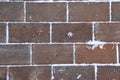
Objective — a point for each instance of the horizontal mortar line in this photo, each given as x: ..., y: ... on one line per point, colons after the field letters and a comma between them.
x: 61, y: 43
x: 94, y: 64
x: 68, y: 22
x: 59, y: 1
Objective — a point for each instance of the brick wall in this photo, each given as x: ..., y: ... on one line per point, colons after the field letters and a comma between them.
x: 59, y: 40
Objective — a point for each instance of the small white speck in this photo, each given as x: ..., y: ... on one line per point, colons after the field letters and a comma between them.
x: 79, y: 76
x: 70, y: 34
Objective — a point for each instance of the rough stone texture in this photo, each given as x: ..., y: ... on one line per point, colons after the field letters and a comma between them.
x: 74, y: 73
x: 29, y: 32
x: 46, y: 12
x: 11, y: 11
x: 100, y: 54
x: 72, y: 32
x: 82, y: 11
x: 52, y: 54
x: 30, y: 73
x: 14, y: 54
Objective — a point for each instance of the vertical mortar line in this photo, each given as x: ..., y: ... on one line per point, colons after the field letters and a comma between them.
x: 96, y: 70
x: 50, y: 32
x: 74, y: 54
x: 110, y: 11
x: 93, y: 31
x: 52, y: 73
x: 117, y: 54
x: 7, y: 73
x: 67, y: 11
x: 7, y: 33
x: 31, y: 54
x: 24, y: 11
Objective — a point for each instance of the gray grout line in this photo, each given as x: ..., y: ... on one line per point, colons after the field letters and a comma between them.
x: 96, y: 72
x: 7, y: 33
x: 110, y: 11
x: 67, y: 12
x: 63, y: 1
x: 50, y: 32
x: 31, y: 54
x: 24, y: 11
x: 74, y: 54
x: 117, y: 53
x: 7, y: 73
x: 52, y: 73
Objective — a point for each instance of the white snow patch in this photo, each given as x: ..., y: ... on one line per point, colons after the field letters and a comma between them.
x: 70, y: 34
x: 79, y: 76
x: 95, y: 44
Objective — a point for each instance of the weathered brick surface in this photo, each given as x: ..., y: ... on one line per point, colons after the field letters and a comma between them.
x: 29, y: 32
x: 52, y: 54
x: 2, y: 32
x: 115, y: 11
x: 72, y: 32
x: 109, y: 73
x: 74, y: 73
x: 30, y: 73
x: 108, y: 32
x: 11, y: 11
x: 100, y: 54
x: 3, y: 73
x: 46, y: 12
x: 14, y: 54
x: 59, y: 40
x: 89, y: 11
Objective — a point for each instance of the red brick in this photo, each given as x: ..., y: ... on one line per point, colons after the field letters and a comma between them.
x: 14, y: 54
x: 89, y: 11
x: 74, y: 73
x: 108, y: 32
x: 3, y: 73
x: 46, y: 12
x: 119, y: 52
x: 84, y: 54
x: 52, y: 54
x: 11, y: 11
x: 108, y: 73
x: 29, y: 32
x: 2, y: 32
x: 115, y: 11
x: 72, y: 32
x: 30, y: 73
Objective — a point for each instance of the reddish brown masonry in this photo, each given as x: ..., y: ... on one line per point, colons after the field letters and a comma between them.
x: 59, y: 40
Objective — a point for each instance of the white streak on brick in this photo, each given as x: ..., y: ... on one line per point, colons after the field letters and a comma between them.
x: 7, y: 33
x: 74, y: 54
x: 70, y: 34
x: 110, y: 11
x: 31, y: 54
x: 93, y: 31
x: 95, y: 72
x: 24, y: 11
x: 67, y: 12
x: 52, y: 73
x: 7, y: 73
x: 117, y: 53
x: 50, y: 32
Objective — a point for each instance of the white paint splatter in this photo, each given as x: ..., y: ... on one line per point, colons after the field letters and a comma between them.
x: 79, y: 76
x: 95, y: 44
x: 70, y: 34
